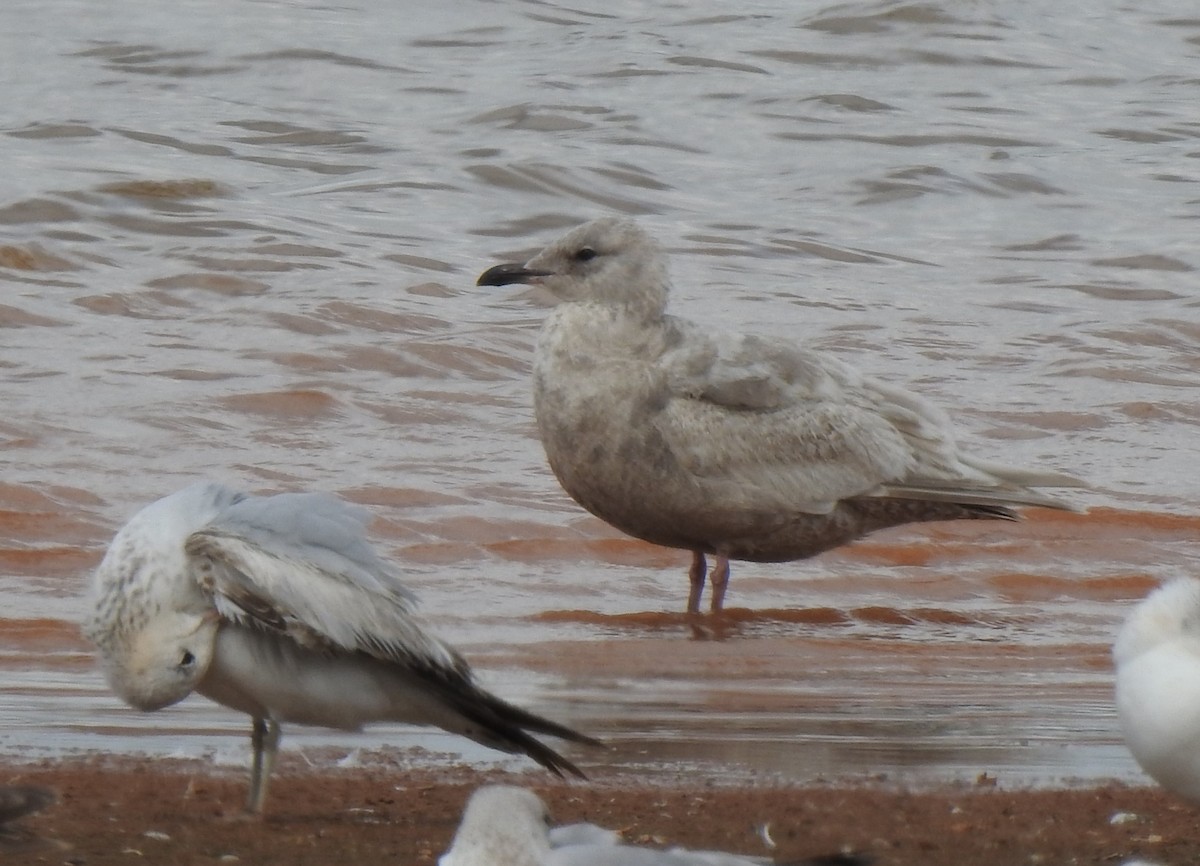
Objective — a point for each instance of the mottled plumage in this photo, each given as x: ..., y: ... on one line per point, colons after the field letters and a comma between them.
x: 277, y: 606
x: 730, y: 444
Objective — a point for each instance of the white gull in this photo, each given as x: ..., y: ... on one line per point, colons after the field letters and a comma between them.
x: 509, y: 826
x: 277, y: 606
x: 727, y: 444
x: 1157, y: 656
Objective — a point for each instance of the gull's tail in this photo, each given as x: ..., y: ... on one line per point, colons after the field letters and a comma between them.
x: 1001, y: 488
x: 487, y: 719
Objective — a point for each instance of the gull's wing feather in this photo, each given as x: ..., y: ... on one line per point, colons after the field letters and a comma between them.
x: 627, y: 855
x: 772, y: 425
x: 300, y: 564
x: 800, y: 458
x: 567, y: 835
x: 317, y: 527
x: 810, y: 429
x: 717, y: 858
x: 590, y: 845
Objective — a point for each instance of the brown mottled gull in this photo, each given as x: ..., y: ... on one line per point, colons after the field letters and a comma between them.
x: 732, y: 445
x: 277, y: 606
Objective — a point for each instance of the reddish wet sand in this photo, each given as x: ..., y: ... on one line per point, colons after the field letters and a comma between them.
x: 127, y: 811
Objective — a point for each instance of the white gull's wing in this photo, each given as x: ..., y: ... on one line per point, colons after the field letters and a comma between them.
x: 567, y: 835
x: 320, y: 528
x: 628, y: 855
x: 300, y: 564
x: 590, y: 845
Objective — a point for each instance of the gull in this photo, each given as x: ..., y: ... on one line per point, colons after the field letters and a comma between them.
x: 509, y: 826
x: 1157, y: 657
x: 730, y: 445
x: 278, y: 607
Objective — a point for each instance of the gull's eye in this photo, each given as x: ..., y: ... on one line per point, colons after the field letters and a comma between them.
x: 187, y: 660
x: 585, y: 255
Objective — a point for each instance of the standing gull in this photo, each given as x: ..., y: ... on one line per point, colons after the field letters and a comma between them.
x: 732, y: 445
x: 507, y: 826
x: 278, y: 607
x: 1157, y: 656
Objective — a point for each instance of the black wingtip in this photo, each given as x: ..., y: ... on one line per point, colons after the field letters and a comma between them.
x: 552, y: 760
x: 500, y: 725
x: 533, y: 722
x: 525, y: 721
x: 991, y: 512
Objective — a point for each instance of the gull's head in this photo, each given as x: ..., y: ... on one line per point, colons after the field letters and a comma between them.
x: 501, y: 824
x: 162, y: 662
x: 1170, y: 613
x: 608, y: 261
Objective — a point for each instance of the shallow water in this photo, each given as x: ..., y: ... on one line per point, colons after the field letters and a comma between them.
x: 241, y: 242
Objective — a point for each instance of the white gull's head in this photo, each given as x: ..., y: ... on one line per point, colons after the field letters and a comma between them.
x: 1168, y: 614
x: 162, y: 663
x: 501, y: 825
x: 149, y: 617
x: 607, y: 261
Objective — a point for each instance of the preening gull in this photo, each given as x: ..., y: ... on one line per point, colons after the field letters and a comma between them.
x: 277, y: 606
x: 508, y: 826
x: 727, y: 444
x: 1157, y: 656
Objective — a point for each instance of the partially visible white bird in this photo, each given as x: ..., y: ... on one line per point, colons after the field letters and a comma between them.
x: 277, y: 606
x: 1157, y: 656
x: 729, y: 444
x: 509, y: 826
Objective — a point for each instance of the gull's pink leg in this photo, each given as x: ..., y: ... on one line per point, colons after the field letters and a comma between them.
x: 719, y: 580
x: 696, y: 575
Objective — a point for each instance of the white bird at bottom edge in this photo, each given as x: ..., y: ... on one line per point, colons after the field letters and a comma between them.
x: 510, y: 826
x: 1157, y: 656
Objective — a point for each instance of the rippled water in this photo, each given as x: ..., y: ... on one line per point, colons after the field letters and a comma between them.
x: 240, y: 241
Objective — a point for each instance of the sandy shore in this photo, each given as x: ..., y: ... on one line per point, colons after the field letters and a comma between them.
x: 129, y: 810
